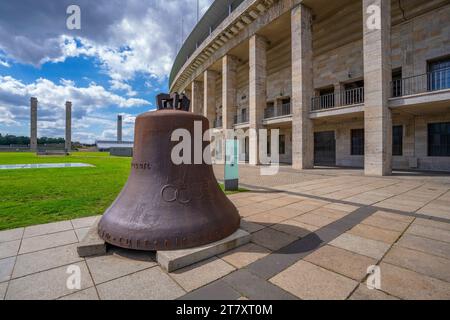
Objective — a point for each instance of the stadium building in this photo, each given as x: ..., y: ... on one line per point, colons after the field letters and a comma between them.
x: 348, y: 83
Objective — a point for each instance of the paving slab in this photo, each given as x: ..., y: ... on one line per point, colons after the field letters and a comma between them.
x: 9, y: 249
x: 177, y: 259
x: 86, y: 294
x: 254, y: 288
x: 47, y: 228
x: 432, y: 223
x: 406, y: 284
x: 11, y: 235
x: 34, y: 262
x: 375, y: 233
x: 201, y: 273
x: 308, y: 281
x: 307, y: 205
x: 254, y: 208
x: 243, y: 256
x: 218, y: 290
x: 330, y: 213
x: 342, y: 207
x: 419, y: 262
x: 314, y: 219
x: 393, y: 216
x: 81, y: 233
x: 250, y: 227
x: 384, y: 223
x: 3, y: 287
x: 84, y: 222
x: 429, y: 232
x: 294, y: 228
x: 6, y: 268
x: 430, y: 246
x: 370, y: 248
x: 92, y: 244
x: 149, y: 284
x: 46, y: 285
x: 272, y: 239
x: 118, y: 263
x: 341, y: 261
x: 47, y: 241
x: 265, y: 218
x: 364, y: 293
x: 282, y: 201
x: 285, y: 212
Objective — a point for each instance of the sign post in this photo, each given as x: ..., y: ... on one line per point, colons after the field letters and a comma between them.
x: 231, y: 175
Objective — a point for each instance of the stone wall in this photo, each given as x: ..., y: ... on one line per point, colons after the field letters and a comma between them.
x: 415, y: 143
x: 342, y: 133
x: 420, y: 39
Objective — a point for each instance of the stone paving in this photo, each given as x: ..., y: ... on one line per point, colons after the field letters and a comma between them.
x: 314, y: 235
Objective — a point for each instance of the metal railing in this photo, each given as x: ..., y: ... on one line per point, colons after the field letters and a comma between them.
x: 428, y: 82
x: 344, y: 98
x: 241, y: 118
x: 277, y: 111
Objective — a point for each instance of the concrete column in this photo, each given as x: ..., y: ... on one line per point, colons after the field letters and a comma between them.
x: 68, y: 146
x: 209, y: 96
x: 257, y: 92
x: 33, y: 124
x: 377, y: 78
x: 119, y: 128
x: 302, y: 88
x: 197, y: 97
x: 229, y: 82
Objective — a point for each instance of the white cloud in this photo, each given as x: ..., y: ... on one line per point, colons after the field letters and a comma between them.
x: 87, y: 102
x: 6, y: 117
x: 4, y: 64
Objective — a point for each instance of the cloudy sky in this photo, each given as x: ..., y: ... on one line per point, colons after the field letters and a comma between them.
x: 116, y: 63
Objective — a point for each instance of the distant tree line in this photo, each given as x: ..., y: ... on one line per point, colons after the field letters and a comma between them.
x: 6, y: 140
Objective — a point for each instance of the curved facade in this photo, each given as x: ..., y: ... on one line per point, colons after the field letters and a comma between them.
x: 342, y: 88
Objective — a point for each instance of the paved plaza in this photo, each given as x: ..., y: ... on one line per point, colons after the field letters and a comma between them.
x: 314, y: 235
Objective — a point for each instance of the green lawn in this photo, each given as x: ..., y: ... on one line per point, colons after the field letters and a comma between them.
x: 35, y: 196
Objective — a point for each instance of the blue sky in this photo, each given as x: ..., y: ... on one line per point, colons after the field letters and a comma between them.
x: 116, y: 63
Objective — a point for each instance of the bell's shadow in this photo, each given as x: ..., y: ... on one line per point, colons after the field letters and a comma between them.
x: 306, y: 240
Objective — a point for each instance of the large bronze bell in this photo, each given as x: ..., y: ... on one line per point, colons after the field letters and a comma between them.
x: 164, y: 206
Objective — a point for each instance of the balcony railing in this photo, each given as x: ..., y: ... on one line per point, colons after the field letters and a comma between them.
x: 218, y: 123
x: 241, y: 118
x: 428, y: 82
x: 344, y: 98
x: 278, y: 111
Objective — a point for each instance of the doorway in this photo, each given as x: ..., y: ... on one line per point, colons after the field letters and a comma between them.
x: 324, y: 148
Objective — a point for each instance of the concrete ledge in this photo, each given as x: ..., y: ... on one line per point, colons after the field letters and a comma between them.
x: 92, y: 244
x: 177, y: 259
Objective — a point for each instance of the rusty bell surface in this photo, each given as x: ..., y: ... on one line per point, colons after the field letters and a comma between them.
x: 164, y: 206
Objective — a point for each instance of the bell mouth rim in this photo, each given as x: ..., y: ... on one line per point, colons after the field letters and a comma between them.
x: 170, y: 243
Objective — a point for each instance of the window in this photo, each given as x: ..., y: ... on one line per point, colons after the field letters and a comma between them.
x: 357, y: 140
x: 397, y: 82
x: 439, y: 74
x: 244, y: 117
x: 439, y: 139
x: 282, y: 144
x: 397, y: 140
